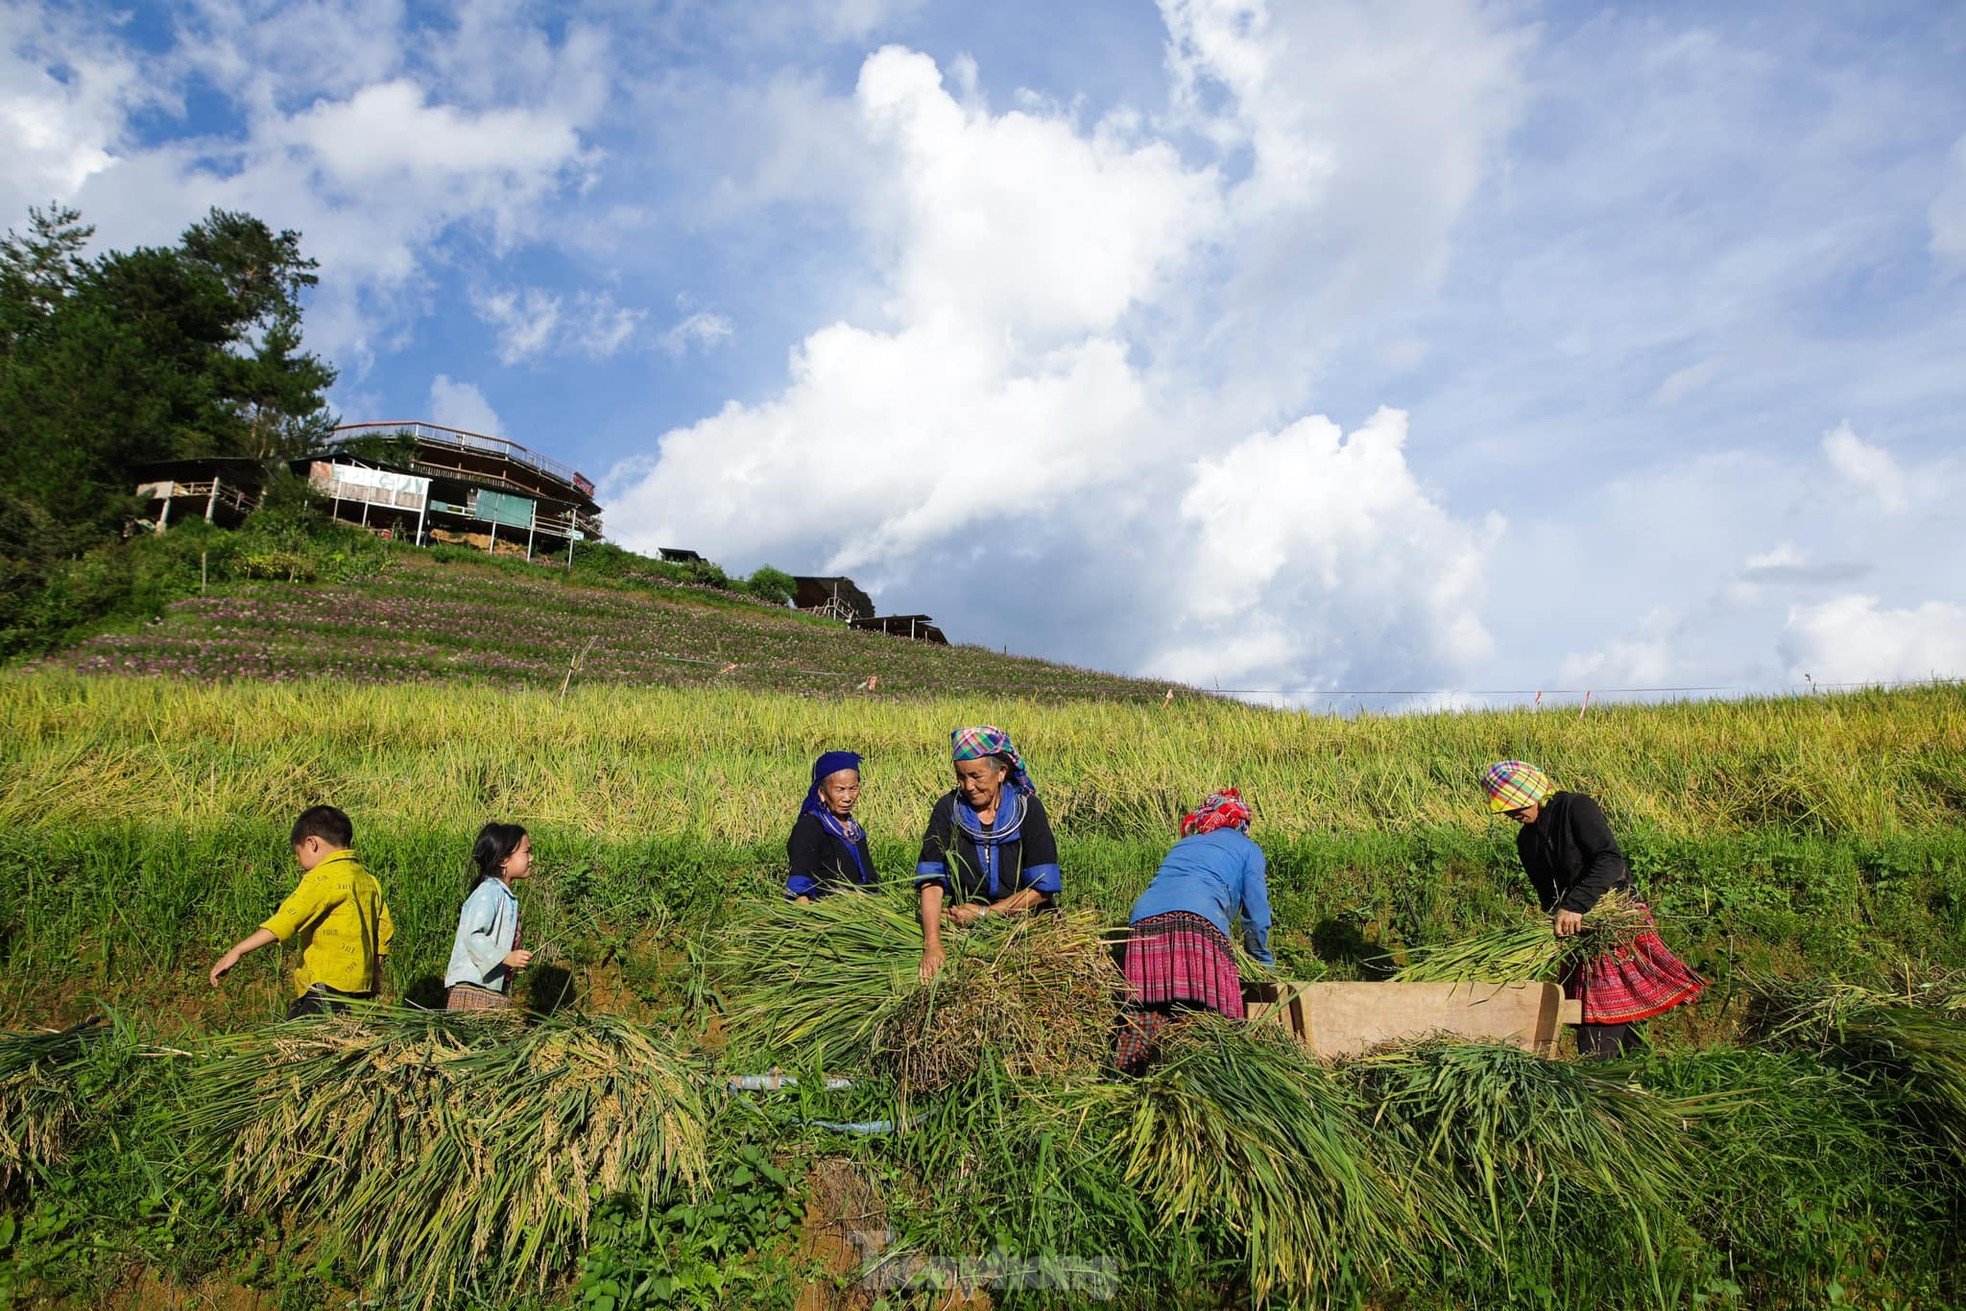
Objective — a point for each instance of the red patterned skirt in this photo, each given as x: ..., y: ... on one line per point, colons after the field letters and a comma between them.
x: 1174, y: 962
x: 1633, y: 982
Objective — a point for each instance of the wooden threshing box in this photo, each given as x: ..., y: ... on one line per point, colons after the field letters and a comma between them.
x: 1345, y: 1019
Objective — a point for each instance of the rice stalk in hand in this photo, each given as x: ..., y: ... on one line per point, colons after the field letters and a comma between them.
x: 1529, y: 1138
x: 1239, y: 1126
x: 435, y: 1153
x: 1916, y: 1051
x: 42, y: 1103
x: 1526, y: 951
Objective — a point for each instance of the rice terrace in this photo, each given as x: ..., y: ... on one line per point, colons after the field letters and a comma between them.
x: 1793, y: 1139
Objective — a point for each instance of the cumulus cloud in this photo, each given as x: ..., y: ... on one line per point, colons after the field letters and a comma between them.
x: 1866, y: 467
x: 1853, y: 639
x: 1012, y: 435
x: 462, y: 405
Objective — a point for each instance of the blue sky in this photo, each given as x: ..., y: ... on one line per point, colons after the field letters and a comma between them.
x: 1424, y: 345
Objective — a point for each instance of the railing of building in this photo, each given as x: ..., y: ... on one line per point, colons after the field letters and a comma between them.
x: 436, y: 434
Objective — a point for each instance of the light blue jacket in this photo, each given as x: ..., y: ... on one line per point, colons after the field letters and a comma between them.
x: 1220, y: 877
x: 485, y: 929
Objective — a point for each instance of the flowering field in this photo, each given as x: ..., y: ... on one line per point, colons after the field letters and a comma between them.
x: 420, y: 621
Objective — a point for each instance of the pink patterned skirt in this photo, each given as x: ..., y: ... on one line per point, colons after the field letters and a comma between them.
x: 1633, y: 982
x: 1174, y: 962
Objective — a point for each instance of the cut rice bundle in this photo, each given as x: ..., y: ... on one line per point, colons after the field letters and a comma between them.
x: 434, y: 1151
x: 1527, y: 951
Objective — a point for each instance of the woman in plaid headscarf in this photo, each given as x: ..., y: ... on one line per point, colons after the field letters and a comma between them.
x: 1567, y: 850
x: 1178, y: 955
x: 989, y: 849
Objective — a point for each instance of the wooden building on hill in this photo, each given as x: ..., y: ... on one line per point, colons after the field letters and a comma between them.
x: 916, y: 628
x: 837, y: 598
x: 441, y: 483
x: 421, y: 482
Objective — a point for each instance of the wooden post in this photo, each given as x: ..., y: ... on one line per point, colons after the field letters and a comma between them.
x: 211, y: 501
x: 419, y: 517
x: 491, y: 547
x: 164, y: 515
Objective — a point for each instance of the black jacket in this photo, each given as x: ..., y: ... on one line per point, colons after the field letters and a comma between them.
x: 820, y: 862
x: 968, y: 872
x: 1570, y: 855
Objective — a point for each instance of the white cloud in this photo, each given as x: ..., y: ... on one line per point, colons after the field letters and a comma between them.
x: 346, y: 123
x: 1010, y: 431
x: 1306, y: 537
x: 65, y: 94
x: 1851, y: 639
x: 1948, y: 212
x: 701, y: 330
x: 533, y: 322
x: 1869, y: 468
x: 463, y: 405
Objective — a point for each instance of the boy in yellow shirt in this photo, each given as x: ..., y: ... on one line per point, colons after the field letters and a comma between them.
x: 337, y: 913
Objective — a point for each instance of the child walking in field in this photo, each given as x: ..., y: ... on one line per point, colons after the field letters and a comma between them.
x: 336, y: 914
x: 486, y: 951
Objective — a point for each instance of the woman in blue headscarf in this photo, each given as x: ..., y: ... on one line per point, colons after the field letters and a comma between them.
x: 827, y: 850
x: 989, y: 848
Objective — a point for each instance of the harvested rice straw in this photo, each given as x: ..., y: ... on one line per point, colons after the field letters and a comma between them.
x: 1913, y: 1043
x: 835, y: 982
x: 1240, y: 1126
x: 1039, y: 991
x: 434, y: 1152
x: 41, y: 1104
x: 1526, y: 951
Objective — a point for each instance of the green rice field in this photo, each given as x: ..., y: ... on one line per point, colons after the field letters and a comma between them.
x: 1789, y: 1141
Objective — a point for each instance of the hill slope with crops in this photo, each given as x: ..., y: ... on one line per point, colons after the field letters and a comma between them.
x: 405, y: 615
x: 1792, y: 1133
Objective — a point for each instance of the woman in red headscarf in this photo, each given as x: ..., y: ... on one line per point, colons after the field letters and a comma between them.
x: 1178, y: 955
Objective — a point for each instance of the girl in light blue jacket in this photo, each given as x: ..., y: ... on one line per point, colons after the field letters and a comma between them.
x: 487, y: 951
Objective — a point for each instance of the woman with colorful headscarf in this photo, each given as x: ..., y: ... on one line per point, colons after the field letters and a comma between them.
x: 1178, y: 955
x: 1567, y: 850
x: 827, y: 849
x: 989, y: 849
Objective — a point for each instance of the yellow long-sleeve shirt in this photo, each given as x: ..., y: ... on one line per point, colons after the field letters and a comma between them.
x: 342, y: 924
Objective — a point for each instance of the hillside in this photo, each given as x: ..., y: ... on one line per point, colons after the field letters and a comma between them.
x: 421, y: 617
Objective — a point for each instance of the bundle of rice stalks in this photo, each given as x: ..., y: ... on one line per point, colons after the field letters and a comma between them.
x: 1040, y: 992
x: 1240, y: 1127
x: 1912, y: 1044
x: 42, y: 1103
x: 1526, y: 951
x: 1534, y: 1143
x: 435, y: 1153
x: 836, y: 983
